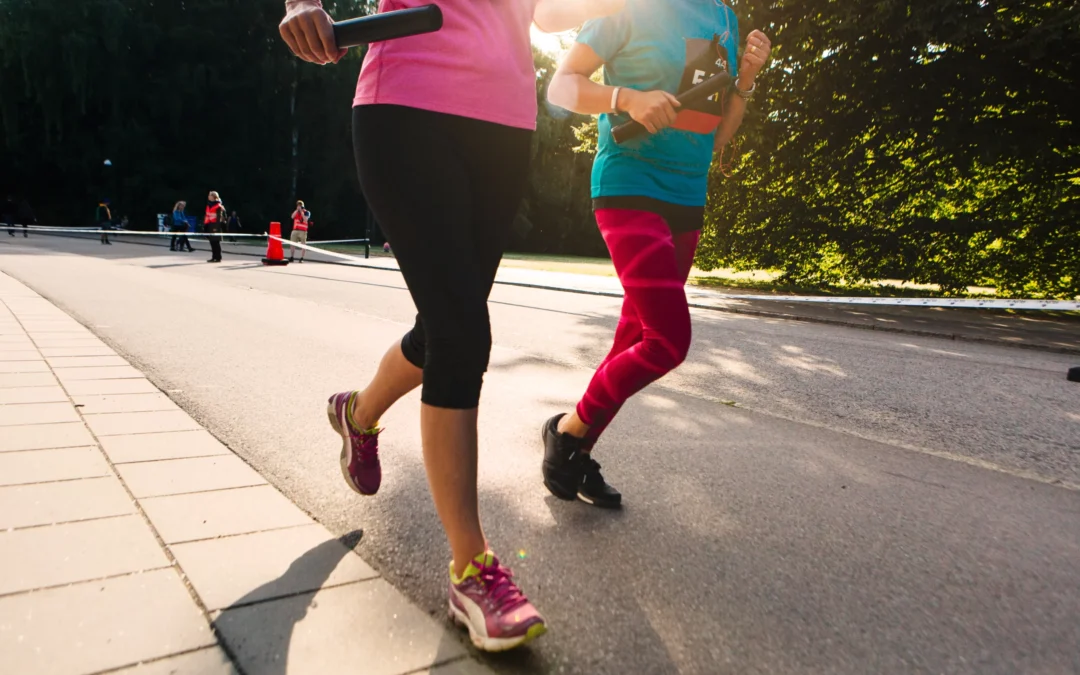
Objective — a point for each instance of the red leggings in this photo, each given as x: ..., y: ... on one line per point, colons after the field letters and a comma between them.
x: 653, y: 335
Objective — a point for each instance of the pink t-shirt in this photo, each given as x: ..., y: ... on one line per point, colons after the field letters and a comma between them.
x: 478, y: 65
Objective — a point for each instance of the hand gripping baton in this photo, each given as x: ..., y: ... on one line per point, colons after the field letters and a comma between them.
x: 699, y: 92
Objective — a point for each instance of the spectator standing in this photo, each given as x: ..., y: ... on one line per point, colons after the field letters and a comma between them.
x: 179, y: 227
x: 213, y: 222
x: 103, y: 216
x: 234, y: 226
x: 9, y: 213
x: 301, y: 219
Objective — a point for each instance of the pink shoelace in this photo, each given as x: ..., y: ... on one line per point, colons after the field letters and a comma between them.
x: 502, y: 591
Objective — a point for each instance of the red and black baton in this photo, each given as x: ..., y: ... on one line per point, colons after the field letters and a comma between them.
x: 696, y: 94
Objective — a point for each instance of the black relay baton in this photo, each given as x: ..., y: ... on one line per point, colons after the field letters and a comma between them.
x: 695, y: 94
x: 388, y: 26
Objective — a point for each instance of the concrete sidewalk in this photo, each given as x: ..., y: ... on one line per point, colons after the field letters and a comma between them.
x: 132, y: 541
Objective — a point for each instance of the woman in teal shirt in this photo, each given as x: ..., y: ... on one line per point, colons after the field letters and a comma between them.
x: 648, y: 195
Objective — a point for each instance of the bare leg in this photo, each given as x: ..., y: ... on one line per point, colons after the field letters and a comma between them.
x: 572, y: 424
x: 395, y: 378
x: 450, y: 450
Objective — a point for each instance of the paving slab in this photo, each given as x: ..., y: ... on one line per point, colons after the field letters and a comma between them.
x: 181, y: 476
x: 40, y: 557
x: 206, y: 515
x: 86, y: 361
x: 105, y: 373
x: 55, y: 352
x: 44, y: 436
x: 267, y: 565
x: 169, y: 445
x: 37, y: 413
x: 41, y: 466
x: 62, y: 502
x: 209, y: 661
x: 50, y: 394
x: 45, y: 343
x: 19, y: 355
x: 10, y: 380
x: 120, y: 424
x: 23, y: 366
x: 33, y: 326
x: 99, y: 625
x: 119, y: 403
x: 317, y: 633
x: 131, y: 386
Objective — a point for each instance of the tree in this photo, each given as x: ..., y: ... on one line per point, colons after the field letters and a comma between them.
x: 931, y: 142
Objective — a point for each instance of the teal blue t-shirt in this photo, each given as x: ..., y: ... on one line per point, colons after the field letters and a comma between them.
x: 669, y: 45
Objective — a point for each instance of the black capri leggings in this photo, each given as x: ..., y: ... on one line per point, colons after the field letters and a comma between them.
x: 445, y: 191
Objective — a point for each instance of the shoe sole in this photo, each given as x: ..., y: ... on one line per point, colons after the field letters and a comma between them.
x: 599, y: 505
x: 343, y: 461
x: 490, y: 644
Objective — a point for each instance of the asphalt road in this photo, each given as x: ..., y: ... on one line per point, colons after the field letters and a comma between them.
x: 874, y: 503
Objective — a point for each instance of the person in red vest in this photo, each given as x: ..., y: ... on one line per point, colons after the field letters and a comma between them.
x: 301, y: 219
x: 213, y: 222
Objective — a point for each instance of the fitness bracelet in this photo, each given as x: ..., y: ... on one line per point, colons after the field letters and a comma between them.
x: 615, y: 99
x: 745, y: 95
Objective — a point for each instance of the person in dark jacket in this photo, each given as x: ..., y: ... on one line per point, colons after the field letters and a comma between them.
x: 103, y: 216
x: 12, y: 212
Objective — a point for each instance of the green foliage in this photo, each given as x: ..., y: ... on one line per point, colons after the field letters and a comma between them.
x: 927, y: 142
x: 556, y: 215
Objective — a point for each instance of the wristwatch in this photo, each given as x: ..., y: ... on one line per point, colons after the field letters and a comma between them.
x: 745, y: 95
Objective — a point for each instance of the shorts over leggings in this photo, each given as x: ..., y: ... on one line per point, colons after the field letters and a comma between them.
x: 445, y: 191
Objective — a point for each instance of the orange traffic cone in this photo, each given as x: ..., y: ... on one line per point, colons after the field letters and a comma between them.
x: 274, y: 253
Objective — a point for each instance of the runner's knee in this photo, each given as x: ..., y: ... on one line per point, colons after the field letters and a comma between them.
x: 456, y: 358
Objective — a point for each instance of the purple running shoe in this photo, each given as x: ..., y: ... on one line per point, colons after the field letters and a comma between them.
x: 359, y: 449
x: 488, y: 602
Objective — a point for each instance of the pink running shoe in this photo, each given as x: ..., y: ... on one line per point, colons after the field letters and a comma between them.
x: 488, y: 602
x: 359, y: 450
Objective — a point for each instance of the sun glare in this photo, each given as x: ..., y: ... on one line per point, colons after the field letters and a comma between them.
x: 554, y: 44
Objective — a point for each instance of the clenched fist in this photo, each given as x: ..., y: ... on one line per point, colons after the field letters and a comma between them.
x: 309, y: 32
x: 755, y: 56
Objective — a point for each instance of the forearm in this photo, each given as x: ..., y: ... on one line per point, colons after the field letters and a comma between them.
x: 579, y: 94
x: 734, y: 110
x: 556, y: 16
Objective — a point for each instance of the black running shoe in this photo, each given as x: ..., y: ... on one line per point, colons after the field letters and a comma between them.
x: 593, y: 489
x: 570, y: 472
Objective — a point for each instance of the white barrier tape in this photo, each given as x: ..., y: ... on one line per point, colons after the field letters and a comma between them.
x: 81, y: 230
x: 339, y: 241
x: 956, y: 303
x: 323, y: 251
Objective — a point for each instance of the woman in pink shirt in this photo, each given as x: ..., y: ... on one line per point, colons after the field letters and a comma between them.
x: 442, y: 126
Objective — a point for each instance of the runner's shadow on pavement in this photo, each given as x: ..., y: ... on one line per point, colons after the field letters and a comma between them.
x: 258, y: 628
